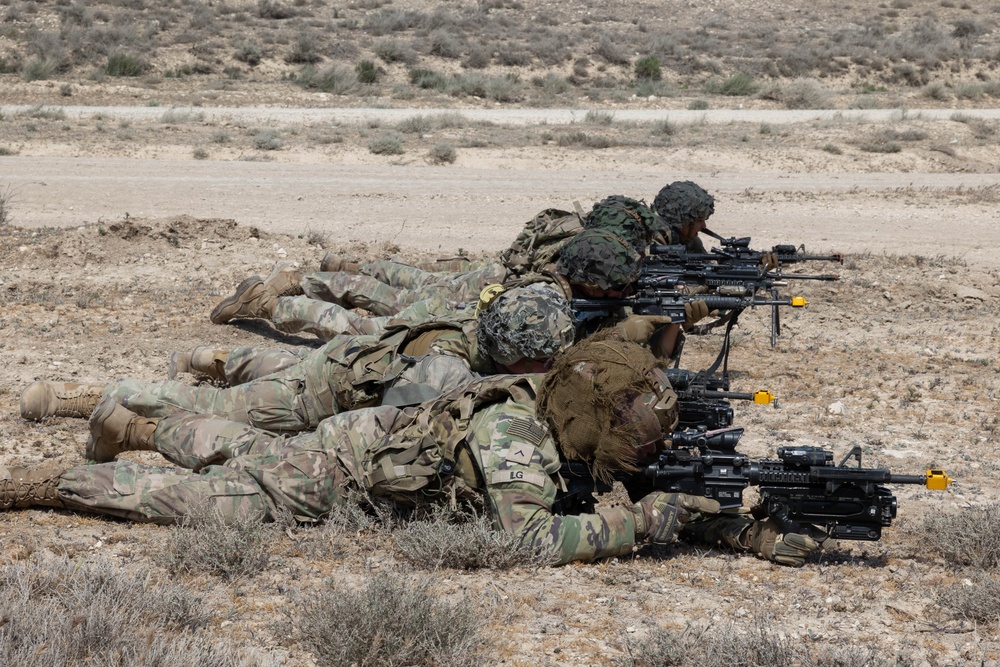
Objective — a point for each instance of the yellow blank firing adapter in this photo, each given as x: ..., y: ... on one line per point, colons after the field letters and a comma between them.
x: 799, y: 302
x: 938, y: 480
x: 763, y: 397
x: 487, y: 296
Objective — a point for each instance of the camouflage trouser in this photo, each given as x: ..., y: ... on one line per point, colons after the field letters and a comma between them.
x: 361, y: 291
x: 407, y: 276
x: 326, y: 320
x: 239, y: 469
x: 245, y: 364
x: 295, y: 399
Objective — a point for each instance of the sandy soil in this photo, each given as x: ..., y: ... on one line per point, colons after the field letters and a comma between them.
x: 101, y: 277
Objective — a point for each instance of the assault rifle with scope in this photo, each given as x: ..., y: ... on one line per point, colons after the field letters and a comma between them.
x: 703, y: 399
x: 670, y: 302
x: 725, y: 279
x: 801, y: 488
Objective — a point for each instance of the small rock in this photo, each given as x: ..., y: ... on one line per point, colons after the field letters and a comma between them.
x: 836, y: 408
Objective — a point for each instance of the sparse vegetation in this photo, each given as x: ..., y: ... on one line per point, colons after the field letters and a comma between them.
x: 387, y: 144
x: 392, y: 621
x: 442, y: 153
x: 473, y: 543
x: 970, y: 538
x: 123, y: 64
x: 230, y: 546
x: 94, y: 612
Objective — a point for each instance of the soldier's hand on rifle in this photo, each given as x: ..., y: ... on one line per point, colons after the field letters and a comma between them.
x: 638, y: 328
x: 694, y: 311
x: 769, y: 541
x: 659, y: 515
x: 768, y: 261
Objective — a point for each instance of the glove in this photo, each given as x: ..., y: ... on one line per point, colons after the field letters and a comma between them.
x: 767, y: 541
x: 768, y: 261
x: 638, y: 328
x: 694, y: 311
x: 658, y: 516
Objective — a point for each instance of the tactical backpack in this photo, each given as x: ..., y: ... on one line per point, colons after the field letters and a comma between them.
x: 539, y: 242
x: 427, y: 459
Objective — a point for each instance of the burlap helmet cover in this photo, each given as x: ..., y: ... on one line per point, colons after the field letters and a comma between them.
x: 599, y: 258
x: 530, y: 322
x: 682, y: 202
x: 585, y: 400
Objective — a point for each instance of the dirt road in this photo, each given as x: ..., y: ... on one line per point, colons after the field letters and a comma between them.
x: 446, y: 208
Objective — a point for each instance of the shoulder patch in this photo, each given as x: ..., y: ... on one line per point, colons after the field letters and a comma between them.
x: 504, y: 476
x: 520, y: 453
x: 527, y: 429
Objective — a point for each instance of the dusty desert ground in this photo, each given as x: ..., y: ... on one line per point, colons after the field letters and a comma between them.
x: 119, y: 232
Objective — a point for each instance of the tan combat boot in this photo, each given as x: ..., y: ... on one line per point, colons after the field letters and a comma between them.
x: 201, y: 361
x: 285, y: 280
x: 28, y: 487
x: 251, y: 299
x: 115, y: 429
x: 333, y: 262
x: 59, y: 399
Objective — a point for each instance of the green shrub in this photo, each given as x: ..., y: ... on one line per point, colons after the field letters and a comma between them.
x: 738, y: 85
x: 267, y: 140
x: 442, y: 153
x: 249, y: 53
x: 122, y: 64
x: 648, y: 67
x: 428, y: 79
x: 37, y: 69
x: 387, y: 144
x: 367, y: 72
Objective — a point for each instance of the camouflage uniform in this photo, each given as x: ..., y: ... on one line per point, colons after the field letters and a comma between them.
x: 346, y: 373
x: 503, y: 454
x: 326, y: 320
x: 380, y: 298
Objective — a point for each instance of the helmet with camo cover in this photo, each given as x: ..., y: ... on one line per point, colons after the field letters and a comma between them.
x: 628, y: 218
x: 600, y: 259
x: 530, y: 322
x: 682, y: 202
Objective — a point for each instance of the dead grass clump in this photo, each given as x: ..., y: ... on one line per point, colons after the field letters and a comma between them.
x: 231, y: 547
x: 976, y: 598
x: 338, y: 79
x: 468, y: 543
x: 392, y: 621
x: 732, y: 645
x: 89, y: 613
x: 799, y: 94
x: 123, y: 64
x: 305, y: 49
x: 969, y: 538
x: 386, y: 21
x: 6, y: 204
x: 394, y: 51
x: 584, y: 140
x: 269, y: 9
x: 613, y: 51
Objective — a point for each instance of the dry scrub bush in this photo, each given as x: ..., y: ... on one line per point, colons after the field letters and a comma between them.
x: 392, y: 621
x: 442, y: 153
x: 969, y: 538
x: 211, y: 542
x: 473, y: 543
x: 95, y: 613
x: 976, y: 598
x: 753, y: 645
x: 338, y: 79
x: 387, y: 144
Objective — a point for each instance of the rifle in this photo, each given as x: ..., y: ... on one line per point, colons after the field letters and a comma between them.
x: 649, y: 301
x: 728, y: 280
x: 739, y: 248
x: 802, y: 487
x: 703, y: 400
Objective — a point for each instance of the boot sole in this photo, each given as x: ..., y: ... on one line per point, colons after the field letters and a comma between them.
x: 219, y: 314
x: 101, y: 414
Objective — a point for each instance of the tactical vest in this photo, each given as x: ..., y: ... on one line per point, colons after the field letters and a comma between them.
x: 359, y: 378
x: 539, y: 242
x: 427, y: 458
